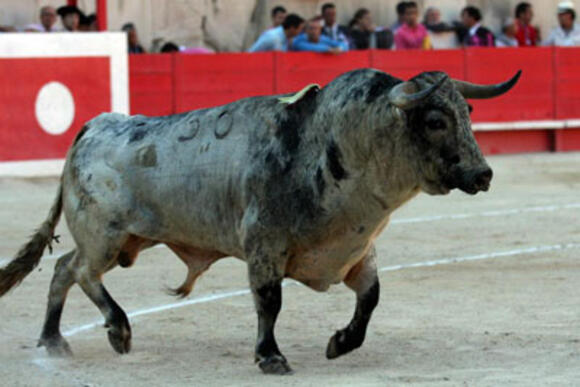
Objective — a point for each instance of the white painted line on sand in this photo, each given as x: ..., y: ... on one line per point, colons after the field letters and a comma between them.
x: 445, y: 261
x: 421, y: 219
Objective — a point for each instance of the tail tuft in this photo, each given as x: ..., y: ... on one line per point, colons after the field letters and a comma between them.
x: 29, y: 255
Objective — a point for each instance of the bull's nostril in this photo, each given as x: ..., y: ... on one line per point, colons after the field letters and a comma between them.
x: 484, y: 178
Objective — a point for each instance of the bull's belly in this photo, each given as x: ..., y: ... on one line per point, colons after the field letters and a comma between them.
x: 319, y: 268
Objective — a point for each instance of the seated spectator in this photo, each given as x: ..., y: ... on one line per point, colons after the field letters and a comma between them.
x: 432, y: 21
x: 412, y: 34
x: 278, y: 15
x: 88, y: 23
x: 473, y: 33
x: 568, y: 33
x: 47, y: 23
x: 132, y: 39
x: 400, y: 9
x: 7, y: 29
x: 169, y: 48
x: 364, y: 34
x: 313, y: 40
x: 508, y: 36
x: 527, y: 35
x: 330, y: 27
x: 71, y: 17
x: 277, y: 39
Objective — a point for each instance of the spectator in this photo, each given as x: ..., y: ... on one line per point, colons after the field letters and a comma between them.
x: 400, y: 16
x: 71, y: 17
x: 432, y: 21
x: 508, y: 36
x: 278, y: 16
x: 88, y: 23
x: 7, y: 29
x: 313, y: 40
x: 330, y: 27
x: 132, y: 39
x: 473, y: 33
x: 277, y: 39
x: 48, y: 18
x: 412, y: 35
x: 169, y: 47
x: 365, y: 35
x: 527, y: 35
x: 568, y: 33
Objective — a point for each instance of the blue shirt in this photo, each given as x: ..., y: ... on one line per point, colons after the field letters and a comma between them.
x: 273, y: 39
x: 301, y: 43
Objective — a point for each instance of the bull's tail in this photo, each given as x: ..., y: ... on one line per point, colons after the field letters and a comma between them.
x: 29, y: 255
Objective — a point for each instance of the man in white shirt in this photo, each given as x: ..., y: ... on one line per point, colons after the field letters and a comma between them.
x: 47, y: 21
x: 568, y: 33
x: 330, y: 27
x: 277, y: 39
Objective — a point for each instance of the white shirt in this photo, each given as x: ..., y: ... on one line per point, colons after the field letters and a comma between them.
x: 474, y: 29
x: 273, y: 39
x: 559, y: 37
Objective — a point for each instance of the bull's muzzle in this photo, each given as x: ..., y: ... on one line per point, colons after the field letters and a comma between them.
x: 476, y: 181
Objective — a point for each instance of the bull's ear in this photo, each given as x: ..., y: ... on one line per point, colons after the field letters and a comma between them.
x: 303, y: 96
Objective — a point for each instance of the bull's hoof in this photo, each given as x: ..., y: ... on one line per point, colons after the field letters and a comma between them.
x: 56, y: 346
x: 275, y: 365
x: 343, y: 342
x: 120, y: 338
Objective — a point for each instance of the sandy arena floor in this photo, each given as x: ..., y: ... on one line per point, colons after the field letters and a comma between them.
x: 476, y: 291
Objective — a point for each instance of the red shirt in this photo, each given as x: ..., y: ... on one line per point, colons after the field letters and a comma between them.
x: 527, y: 36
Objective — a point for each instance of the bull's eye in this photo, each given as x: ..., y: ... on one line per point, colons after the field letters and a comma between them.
x: 435, y: 124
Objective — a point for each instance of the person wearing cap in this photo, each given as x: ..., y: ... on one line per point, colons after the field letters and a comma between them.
x: 71, y: 17
x: 568, y: 33
x: 527, y: 35
x: 508, y: 36
x: 47, y: 23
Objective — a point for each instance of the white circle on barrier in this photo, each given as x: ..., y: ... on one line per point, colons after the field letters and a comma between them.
x: 55, y: 108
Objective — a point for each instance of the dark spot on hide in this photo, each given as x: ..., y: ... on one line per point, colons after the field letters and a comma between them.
x: 137, y: 135
x: 140, y: 124
x: 124, y: 259
x: 379, y: 84
x: 333, y: 161
x: 147, y: 156
x: 288, y: 132
x: 361, y: 229
x: 224, y: 125
x: 320, y: 183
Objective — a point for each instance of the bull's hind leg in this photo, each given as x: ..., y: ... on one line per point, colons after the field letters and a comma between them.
x: 62, y: 280
x: 266, y: 271
x: 363, y: 279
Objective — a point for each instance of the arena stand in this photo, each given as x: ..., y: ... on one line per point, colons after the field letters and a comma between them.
x: 542, y: 113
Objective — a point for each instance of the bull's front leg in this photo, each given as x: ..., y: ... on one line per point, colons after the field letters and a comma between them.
x: 266, y: 271
x: 363, y: 279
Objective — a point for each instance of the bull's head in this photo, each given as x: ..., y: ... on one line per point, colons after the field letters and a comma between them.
x: 437, y: 118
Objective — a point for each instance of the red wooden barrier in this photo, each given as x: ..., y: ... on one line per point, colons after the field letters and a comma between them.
x: 531, y: 99
x: 85, y: 83
x: 295, y: 70
x: 406, y: 64
x: 567, y: 83
x: 209, y: 80
x: 151, y: 84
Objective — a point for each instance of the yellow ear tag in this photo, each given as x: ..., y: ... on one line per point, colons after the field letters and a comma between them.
x: 292, y: 99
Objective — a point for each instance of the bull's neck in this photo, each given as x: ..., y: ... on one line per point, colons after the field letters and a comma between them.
x: 377, y: 157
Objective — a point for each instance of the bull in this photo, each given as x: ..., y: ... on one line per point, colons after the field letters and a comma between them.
x: 296, y: 186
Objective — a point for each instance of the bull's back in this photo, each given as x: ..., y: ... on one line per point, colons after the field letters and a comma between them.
x: 179, y: 178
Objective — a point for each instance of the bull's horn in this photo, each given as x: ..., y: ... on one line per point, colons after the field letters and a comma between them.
x: 406, y: 96
x: 471, y: 90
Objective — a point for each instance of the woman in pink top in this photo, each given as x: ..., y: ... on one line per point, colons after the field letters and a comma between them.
x: 412, y: 35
